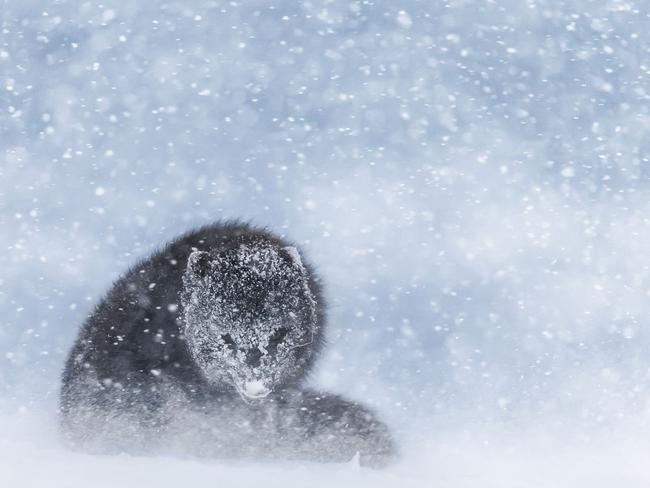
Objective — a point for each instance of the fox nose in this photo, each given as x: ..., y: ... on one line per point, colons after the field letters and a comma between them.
x: 254, y: 389
x: 253, y: 357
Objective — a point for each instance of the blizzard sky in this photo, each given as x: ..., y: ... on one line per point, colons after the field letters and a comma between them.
x: 470, y: 178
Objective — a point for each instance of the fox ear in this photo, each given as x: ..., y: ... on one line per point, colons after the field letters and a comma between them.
x: 294, y: 255
x: 198, y: 263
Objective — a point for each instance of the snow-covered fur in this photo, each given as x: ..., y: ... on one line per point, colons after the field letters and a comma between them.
x: 203, y: 348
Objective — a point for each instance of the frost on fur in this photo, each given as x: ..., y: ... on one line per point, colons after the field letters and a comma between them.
x: 247, y: 311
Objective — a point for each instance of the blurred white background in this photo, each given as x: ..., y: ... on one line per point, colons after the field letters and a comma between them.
x: 471, y: 179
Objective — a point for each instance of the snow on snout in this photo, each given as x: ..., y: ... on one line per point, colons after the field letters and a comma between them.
x: 255, y: 389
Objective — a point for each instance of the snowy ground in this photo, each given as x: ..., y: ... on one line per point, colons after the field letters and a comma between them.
x: 31, y: 456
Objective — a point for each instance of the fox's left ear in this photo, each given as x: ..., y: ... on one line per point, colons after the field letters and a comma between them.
x: 198, y: 263
x: 294, y: 254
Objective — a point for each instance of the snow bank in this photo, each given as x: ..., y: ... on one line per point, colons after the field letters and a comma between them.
x: 32, y: 457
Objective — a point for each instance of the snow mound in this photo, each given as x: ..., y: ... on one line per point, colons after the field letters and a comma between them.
x: 32, y: 456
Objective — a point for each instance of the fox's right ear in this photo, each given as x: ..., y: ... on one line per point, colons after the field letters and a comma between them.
x: 198, y: 263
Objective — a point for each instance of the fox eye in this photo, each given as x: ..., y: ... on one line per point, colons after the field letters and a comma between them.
x: 228, y: 341
x: 276, y: 339
x: 278, y: 335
